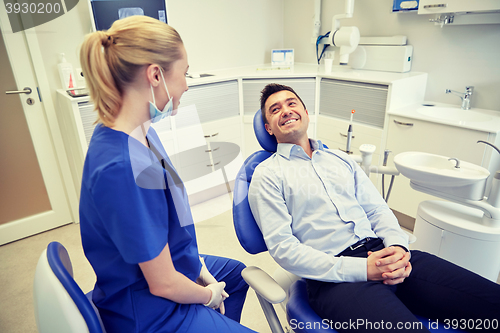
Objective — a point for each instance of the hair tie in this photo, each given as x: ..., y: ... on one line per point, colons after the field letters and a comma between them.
x: 106, y: 42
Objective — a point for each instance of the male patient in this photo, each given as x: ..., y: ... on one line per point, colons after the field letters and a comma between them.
x: 323, y: 220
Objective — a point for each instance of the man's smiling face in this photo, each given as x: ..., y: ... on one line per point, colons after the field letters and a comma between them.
x: 286, y: 116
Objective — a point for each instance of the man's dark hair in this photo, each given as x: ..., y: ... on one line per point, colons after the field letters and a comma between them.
x: 270, y: 89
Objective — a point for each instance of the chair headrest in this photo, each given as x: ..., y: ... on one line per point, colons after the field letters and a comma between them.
x: 266, y: 141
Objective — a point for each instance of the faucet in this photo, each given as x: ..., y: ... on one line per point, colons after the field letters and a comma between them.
x: 464, y: 96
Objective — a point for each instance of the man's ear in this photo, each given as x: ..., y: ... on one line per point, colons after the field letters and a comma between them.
x: 268, y: 129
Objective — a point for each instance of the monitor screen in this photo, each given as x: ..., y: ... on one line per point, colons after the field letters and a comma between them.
x: 105, y: 12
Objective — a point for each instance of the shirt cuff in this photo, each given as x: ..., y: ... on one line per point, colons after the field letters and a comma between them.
x: 354, y: 269
x: 397, y: 240
x: 401, y: 246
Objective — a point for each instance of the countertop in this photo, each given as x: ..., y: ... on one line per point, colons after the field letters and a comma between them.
x: 300, y: 70
x: 490, y: 121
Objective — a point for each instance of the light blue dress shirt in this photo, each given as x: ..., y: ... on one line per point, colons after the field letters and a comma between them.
x: 311, y: 209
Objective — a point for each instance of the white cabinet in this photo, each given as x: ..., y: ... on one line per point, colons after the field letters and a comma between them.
x: 457, y: 6
x: 461, y: 12
x: 214, y: 146
x: 208, y: 113
x: 369, y: 101
x: 204, y: 139
x: 337, y: 100
x: 406, y: 134
x: 76, y: 117
x: 455, y: 232
x: 333, y: 133
x: 220, y: 109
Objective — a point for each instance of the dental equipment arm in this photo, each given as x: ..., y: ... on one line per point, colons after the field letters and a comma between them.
x: 317, y: 20
x: 365, y: 159
x: 345, y: 38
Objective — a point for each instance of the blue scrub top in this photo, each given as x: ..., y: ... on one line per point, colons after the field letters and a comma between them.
x: 130, y: 208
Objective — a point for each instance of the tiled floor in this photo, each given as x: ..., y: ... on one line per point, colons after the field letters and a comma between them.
x: 215, y: 233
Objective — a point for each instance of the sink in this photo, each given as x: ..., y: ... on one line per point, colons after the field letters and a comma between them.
x: 451, y: 113
x: 438, y: 170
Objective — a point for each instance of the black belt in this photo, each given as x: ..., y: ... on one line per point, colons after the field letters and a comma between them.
x: 359, y: 244
x: 368, y: 242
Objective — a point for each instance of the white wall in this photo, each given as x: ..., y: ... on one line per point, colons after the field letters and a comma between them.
x: 227, y: 33
x: 217, y: 33
x: 63, y: 35
x: 453, y: 56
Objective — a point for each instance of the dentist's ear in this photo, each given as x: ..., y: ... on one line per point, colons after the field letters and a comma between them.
x: 153, y: 74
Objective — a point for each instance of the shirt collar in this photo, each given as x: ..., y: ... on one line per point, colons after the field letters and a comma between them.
x: 285, y: 149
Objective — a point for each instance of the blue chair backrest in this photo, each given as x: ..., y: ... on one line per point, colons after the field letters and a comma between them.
x: 266, y: 141
x: 247, y: 230
x: 60, y: 264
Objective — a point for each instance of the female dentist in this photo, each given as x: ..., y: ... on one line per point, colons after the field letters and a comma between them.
x: 136, y: 225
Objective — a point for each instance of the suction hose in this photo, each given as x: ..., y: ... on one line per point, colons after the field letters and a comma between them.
x: 386, y: 197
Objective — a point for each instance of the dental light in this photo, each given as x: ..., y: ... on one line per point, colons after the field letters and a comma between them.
x: 341, y: 39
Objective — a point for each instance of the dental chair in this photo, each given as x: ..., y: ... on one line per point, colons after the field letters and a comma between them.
x: 285, y: 288
x: 60, y: 304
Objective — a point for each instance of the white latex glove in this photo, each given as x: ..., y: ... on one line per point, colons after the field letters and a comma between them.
x: 205, y: 279
x: 217, y: 297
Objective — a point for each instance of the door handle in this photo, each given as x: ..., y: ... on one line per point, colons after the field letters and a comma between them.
x: 27, y: 91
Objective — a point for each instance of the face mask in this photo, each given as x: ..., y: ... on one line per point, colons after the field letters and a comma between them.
x: 155, y: 114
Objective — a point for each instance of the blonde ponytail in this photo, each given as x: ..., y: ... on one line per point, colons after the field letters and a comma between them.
x: 110, y: 59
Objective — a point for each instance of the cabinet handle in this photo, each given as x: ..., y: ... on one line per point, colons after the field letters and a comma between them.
x: 356, y: 86
x: 211, y: 135
x: 438, y: 5
x: 345, y: 135
x: 404, y: 124
x: 211, y: 150
x: 210, y: 165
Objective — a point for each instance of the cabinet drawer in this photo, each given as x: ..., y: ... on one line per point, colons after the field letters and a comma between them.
x: 338, y: 98
x: 224, y: 153
x: 406, y: 134
x: 88, y: 117
x: 223, y: 130
x: 195, y: 171
x: 213, y: 101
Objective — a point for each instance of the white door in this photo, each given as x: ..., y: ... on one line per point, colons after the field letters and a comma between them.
x: 32, y: 194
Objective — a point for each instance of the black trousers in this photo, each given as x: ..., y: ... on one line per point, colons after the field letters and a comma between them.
x: 436, y: 289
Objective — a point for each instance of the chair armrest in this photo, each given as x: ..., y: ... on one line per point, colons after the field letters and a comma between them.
x: 411, y: 237
x: 263, y: 284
